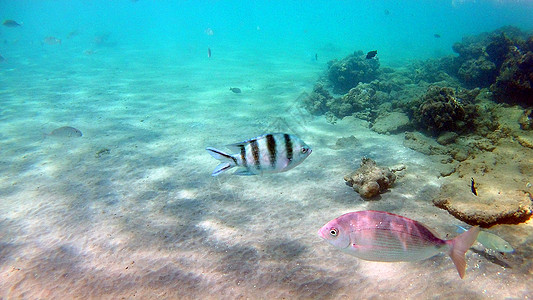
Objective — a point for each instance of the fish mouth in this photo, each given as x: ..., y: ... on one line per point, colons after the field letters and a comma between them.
x: 321, y: 233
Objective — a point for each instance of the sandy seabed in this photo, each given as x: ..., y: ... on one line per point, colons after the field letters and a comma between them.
x: 130, y: 209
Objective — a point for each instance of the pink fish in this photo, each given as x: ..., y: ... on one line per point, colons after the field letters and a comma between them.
x: 382, y: 236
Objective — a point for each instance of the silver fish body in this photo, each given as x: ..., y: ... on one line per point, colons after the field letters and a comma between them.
x: 268, y: 153
x: 382, y: 236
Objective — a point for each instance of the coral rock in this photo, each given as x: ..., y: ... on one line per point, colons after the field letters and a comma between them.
x: 441, y: 110
x: 485, y: 210
x: 526, y: 120
x: 348, y: 72
x: 394, y: 122
x: 370, y: 180
x: 515, y: 82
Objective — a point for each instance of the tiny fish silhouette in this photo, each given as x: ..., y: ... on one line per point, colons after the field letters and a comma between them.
x: 371, y: 54
x: 235, y: 90
x: 50, y: 40
x: 473, y: 186
x: 11, y: 23
x: 382, y: 236
x: 209, y: 52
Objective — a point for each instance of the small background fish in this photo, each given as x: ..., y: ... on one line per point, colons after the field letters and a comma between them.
x: 269, y: 153
x: 65, y: 132
x: 490, y: 241
x: 50, y: 40
x: 11, y: 23
x: 371, y: 54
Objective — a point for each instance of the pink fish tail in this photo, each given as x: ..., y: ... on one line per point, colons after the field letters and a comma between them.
x: 458, y: 247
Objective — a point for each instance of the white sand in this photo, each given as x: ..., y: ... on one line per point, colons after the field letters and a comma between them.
x: 147, y: 220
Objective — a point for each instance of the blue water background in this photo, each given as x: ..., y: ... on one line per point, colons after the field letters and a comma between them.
x: 397, y: 29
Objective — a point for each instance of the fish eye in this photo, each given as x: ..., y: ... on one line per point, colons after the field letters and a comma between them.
x: 304, y: 150
x: 333, y: 231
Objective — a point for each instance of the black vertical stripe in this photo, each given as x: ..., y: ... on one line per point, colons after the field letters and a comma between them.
x: 271, y: 146
x: 288, y: 146
x: 243, y: 156
x: 255, y: 153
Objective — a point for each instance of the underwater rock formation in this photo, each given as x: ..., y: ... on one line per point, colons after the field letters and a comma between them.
x: 346, y: 143
x: 393, y: 122
x: 370, y: 180
x: 515, y: 81
x: 359, y: 101
x: 317, y: 102
x: 502, y: 59
x: 485, y: 211
x: 441, y: 110
x: 477, y: 72
x: 526, y: 120
x: 348, y: 72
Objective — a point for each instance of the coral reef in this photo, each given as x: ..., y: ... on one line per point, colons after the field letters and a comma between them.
x: 317, y: 102
x: 501, y: 60
x: 441, y: 110
x: 359, y: 101
x: 348, y: 72
x: 370, y: 180
x: 458, y: 107
x: 477, y: 72
x: 515, y: 81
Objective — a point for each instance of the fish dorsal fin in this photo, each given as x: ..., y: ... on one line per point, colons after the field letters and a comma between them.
x: 237, y: 146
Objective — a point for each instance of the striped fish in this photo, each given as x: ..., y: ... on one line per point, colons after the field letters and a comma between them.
x: 382, y: 236
x: 269, y: 153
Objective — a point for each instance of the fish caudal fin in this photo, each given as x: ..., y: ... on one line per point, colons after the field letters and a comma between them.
x: 227, y: 160
x: 459, y: 246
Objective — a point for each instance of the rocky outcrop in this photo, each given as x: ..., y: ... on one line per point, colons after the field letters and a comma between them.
x: 347, y: 73
x: 370, y: 180
x: 393, y: 122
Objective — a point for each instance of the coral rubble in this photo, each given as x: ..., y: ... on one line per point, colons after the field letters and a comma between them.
x: 441, y: 110
x: 486, y: 210
x: 348, y: 72
x: 370, y: 180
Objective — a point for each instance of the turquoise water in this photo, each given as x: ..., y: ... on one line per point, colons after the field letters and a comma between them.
x: 130, y: 209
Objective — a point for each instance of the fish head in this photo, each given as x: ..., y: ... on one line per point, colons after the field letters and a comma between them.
x: 336, y: 234
x: 300, y: 151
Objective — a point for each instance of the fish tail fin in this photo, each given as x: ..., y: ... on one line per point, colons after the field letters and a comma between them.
x: 227, y: 160
x: 458, y: 247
